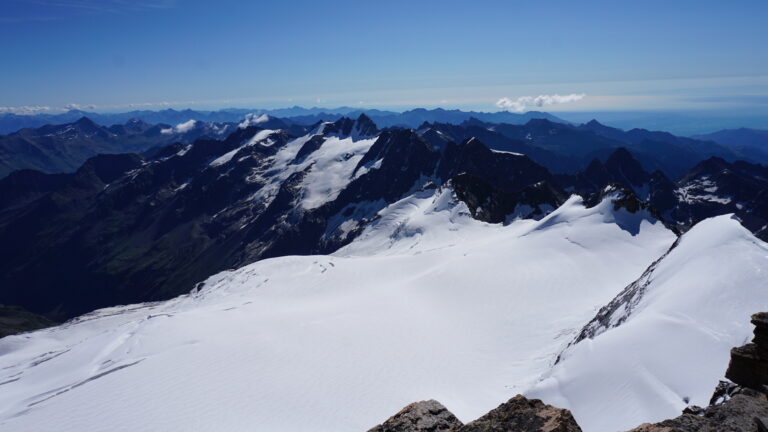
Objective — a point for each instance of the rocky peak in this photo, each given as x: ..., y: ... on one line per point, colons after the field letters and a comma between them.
x: 518, y: 414
x: 489, y: 204
x: 362, y: 127
x: 625, y: 168
x: 594, y: 123
x: 424, y: 416
x: 365, y: 127
x: 521, y: 414
x: 85, y: 123
x: 596, y: 173
x: 661, y: 192
x: 711, y: 166
x: 503, y: 170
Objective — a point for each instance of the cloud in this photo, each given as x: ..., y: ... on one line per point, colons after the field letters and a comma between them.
x: 78, y: 107
x: 525, y: 103
x: 180, y: 128
x: 26, y: 110
x: 253, y: 119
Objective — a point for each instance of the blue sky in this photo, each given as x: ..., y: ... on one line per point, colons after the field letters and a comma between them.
x: 112, y: 55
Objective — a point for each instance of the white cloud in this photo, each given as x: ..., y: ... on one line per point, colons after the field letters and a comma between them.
x: 525, y: 103
x: 78, y: 107
x: 253, y: 119
x: 26, y: 110
x: 180, y: 128
x: 186, y: 126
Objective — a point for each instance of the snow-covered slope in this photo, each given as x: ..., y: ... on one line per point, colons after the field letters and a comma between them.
x: 664, y: 342
x: 426, y: 303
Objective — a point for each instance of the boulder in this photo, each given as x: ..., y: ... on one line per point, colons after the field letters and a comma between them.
x: 521, y: 414
x: 749, y: 363
x: 745, y: 411
x: 424, y: 416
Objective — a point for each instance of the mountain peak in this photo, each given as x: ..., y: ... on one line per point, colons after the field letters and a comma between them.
x: 85, y: 122
x: 623, y: 166
x: 364, y: 126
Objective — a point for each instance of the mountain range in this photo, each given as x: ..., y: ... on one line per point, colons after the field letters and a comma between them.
x: 129, y: 228
x: 306, y: 268
x: 10, y: 122
x: 560, y: 147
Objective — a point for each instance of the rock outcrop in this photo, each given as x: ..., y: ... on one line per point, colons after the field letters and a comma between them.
x: 745, y: 411
x: 518, y: 414
x: 749, y: 363
x: 521, y: 414
x: 424, y: 416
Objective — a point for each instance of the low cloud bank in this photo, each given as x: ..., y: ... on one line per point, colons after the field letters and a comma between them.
x: 525, y: 103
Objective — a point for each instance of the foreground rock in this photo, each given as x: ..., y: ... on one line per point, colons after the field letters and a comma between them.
x: 424, y: 416
x: 749, y: 363
x: 745, y: 411
x: 520, y: 414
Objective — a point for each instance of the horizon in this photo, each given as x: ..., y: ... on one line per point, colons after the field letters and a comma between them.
x: 109, y: 56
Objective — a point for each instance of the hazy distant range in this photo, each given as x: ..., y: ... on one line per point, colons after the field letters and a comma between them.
x: 676, y: 122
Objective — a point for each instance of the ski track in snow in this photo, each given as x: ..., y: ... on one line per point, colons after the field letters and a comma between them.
x: 426, y: 303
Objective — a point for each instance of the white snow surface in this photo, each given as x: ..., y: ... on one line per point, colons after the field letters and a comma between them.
x: 261, y: 137
x: 329, y: 169
x: 675, y: 345
x: 427, y: 303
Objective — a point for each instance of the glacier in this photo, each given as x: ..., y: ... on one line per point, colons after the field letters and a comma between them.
x: 426, y: 303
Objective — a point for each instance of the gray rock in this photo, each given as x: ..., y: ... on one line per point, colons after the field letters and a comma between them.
x: 520, y: 414
x: 424, y: 416
x: 741, y: 413
x: 749, y: 363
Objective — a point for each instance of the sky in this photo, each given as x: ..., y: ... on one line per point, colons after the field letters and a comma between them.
x: 115, y: 55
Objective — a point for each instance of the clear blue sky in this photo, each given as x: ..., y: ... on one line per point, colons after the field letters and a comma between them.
x: 108, y: 54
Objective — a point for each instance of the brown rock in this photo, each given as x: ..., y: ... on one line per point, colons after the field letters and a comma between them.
x: 760, y: 320
x: 424, y: 416
x: 749, y: 363
x: 520, y: 414
x: 741, y: 413
x: 747, y: 367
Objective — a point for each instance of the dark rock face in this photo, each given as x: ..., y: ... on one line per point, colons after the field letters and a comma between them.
x: 14, y: 320
x: 489, y: 204
x: 345, y: 126
x: 424, y: 416
x: 524, y: 415
x: 743, y: 412
x: 749, y: 363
